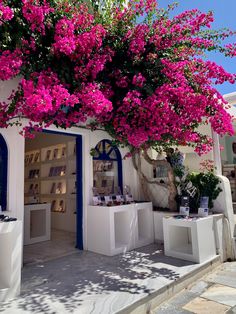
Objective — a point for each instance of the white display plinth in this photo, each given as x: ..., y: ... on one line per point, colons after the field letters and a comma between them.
x: 191, y: 240
x: 117, y: 229
x: 10, y: 259
x: 144, y: 224
x: 37, y: 223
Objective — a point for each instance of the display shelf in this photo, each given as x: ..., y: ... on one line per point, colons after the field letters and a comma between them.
x: 52, y: 178
x: 57, y: 170
x: 32, y: 179
x: 71, y: 176
x: 29, y: 194
x: 52, y: 195
x: 32, y: 158
x: 32, y: 165
x: 53, y: 161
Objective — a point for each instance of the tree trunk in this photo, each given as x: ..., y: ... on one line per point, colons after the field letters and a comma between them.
x: 145, y: 181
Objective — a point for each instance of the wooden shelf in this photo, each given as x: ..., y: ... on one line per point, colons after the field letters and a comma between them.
x: 53, y: 195
x: 71, y: 196
x: 53, y: 178
x: 29, y: 194
x: 35, y: 164
x: 53, y: 161
x: 31, y: 179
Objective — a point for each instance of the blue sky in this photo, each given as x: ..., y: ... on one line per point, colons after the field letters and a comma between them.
x: 225, y: 16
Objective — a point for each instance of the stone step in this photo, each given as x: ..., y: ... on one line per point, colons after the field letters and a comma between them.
x: 154, y: 299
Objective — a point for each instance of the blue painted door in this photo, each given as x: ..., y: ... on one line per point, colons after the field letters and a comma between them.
x: 3, y: 173
x: 79, y: 186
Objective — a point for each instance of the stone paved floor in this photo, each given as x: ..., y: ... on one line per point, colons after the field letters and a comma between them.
x: 87, y: 283
x: 62, y: 243
x: 214, y: 294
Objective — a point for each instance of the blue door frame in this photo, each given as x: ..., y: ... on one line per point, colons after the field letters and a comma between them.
x: 79, y: 185
x: 3, y: 174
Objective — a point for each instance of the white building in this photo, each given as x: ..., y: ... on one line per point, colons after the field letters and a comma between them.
x: 56, y: 168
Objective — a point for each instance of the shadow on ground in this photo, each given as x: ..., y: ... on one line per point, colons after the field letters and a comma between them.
x: 83, y: 276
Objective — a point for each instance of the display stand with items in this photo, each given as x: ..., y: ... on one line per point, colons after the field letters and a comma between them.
x: 104, y: 173
x: 185, y: 236
x: 10, y: 261
x: 50, y: 176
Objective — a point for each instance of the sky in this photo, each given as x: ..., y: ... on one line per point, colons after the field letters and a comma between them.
x: 225, y: 16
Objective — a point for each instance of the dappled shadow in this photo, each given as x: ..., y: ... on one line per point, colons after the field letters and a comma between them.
x: 84, y: 278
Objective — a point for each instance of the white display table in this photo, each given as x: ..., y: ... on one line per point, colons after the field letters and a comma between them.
x: 191, y: 240
x: 37, y: 223
x: 117, y: 229
x: 10, y: 259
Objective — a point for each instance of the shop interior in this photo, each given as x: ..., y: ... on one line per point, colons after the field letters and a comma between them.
x: 50, y: 197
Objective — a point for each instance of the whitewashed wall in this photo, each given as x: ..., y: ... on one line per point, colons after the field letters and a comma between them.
x: 15, y: 145
x: 15, y: 183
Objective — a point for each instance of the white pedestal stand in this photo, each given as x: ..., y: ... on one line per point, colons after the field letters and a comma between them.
x: 37, y: 223
x: 10, y: 259
x: 117, y: 229
x: 191, y: 240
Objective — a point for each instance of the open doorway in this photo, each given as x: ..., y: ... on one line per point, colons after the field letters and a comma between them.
x: 53, y: 196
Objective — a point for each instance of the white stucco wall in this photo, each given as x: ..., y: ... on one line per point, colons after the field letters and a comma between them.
x: 15, y: 145
x: 15, y: 183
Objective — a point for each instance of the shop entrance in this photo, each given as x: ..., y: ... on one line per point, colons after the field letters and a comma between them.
x: 53, y: 196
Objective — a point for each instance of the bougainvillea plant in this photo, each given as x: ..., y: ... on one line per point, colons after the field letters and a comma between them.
x: 139, y: 74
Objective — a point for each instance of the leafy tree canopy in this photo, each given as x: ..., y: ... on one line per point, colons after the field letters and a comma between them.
x: 128, y: 68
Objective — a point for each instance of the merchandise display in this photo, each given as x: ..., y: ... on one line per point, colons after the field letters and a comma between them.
x: 112, y: 199
x: 105, y: 176
x: 4, y: 218
x: 50, y: 176
x: 203, y: 209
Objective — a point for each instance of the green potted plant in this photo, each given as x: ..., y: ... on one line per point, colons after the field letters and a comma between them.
x: 204, y: 183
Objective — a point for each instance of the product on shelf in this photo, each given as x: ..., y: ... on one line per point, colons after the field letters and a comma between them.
x: 36, y: 157
x: 53, y: 188
x: 63, y: 152
x: 59, y: 188
x: 48, y: 155
x: 55, y: 153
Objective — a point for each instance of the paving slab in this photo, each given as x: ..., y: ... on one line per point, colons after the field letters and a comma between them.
x: 221, y: 294
x: 232, y: 310
x: 226, y: 278
x: 204, y: 306
x: 175, y: 304
x: 86, y: 282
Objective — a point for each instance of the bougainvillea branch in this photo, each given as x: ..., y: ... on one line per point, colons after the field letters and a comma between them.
x: 146, y: 83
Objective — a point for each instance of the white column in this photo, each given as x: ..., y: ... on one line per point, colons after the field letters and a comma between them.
x: 216, y: 153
